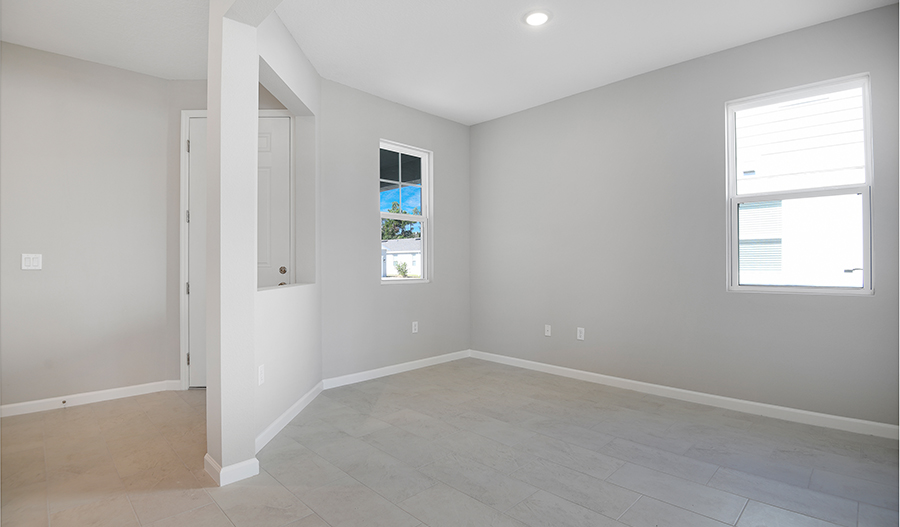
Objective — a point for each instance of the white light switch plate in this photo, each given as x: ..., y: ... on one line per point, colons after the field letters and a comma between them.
x: 32, y: 262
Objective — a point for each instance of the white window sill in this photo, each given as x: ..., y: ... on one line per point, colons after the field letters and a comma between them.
x: 404, y: 281
x: 798, y: 290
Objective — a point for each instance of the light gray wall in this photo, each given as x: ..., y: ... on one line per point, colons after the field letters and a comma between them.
x: 86, y: 180
x: 366, y: 325
x: 606, y: 210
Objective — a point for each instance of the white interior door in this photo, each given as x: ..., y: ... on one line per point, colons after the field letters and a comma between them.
x: 197, y: 253
x: 273, y: 225
x: 274, y: 207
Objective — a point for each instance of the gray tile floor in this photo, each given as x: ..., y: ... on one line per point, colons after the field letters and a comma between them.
x: 470, y: 443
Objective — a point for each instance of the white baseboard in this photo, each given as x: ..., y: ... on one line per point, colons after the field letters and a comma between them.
x: 65, y: 401
x: 848, y: 424
x: 278, y: 425
x: 354, y: 378
x: 836, y: 422
x: 227, y: 475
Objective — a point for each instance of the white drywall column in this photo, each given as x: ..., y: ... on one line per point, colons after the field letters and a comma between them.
x: 284, y: 69
x: 231, y: 245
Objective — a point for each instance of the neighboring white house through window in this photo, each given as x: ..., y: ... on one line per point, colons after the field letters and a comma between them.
x: 404, y: 177
x: 800, y: 189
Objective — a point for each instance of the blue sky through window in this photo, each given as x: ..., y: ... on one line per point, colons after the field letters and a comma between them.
x: 388, y: 197
x: 412, y: 199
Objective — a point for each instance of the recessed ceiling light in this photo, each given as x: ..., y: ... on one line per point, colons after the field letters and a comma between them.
x: 538, y: 18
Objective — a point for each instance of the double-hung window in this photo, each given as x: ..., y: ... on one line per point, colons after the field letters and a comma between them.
x: 404, y: 178
x: 800, y: 190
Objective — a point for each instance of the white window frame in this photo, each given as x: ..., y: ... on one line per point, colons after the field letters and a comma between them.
x: 426, y: 263
x: 733, y: 200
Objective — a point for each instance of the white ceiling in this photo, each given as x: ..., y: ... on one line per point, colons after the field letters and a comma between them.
x: 466, y: 60
x: 163, y: 38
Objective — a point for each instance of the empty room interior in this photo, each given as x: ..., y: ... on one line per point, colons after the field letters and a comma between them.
x: 638, y: 263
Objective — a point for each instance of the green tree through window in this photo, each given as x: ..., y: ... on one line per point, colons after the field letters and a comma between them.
x: 397, y: 229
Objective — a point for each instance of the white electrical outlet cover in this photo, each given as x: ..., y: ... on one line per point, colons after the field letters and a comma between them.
x: 31, y: 262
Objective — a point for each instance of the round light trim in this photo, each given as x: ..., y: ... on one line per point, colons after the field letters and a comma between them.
x: 538, y: 18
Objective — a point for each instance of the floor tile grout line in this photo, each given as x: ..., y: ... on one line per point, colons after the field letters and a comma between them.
x: 894, y: 486
x: 671, y: 475
x: 516, y: 504
x: 630, y: 506
x: 561, y: 498
x: 814, y: 491
x: 744, y: 508
x: 133, y: 511
x: 127, y: 496
x: 212, y: 502
x: 166, y: 439
x: 707, y: 484
x: 108, y: 452
x: 637, y: 463
x: 699, y: 513
x: 46, y: 471
x: 673, y: 504
x: 814, y: 518
x: 711, y: 476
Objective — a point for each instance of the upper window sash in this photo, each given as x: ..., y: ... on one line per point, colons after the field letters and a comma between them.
x: 808, y: 94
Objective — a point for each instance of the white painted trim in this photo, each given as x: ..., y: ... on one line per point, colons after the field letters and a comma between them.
x: 278, y: 425
x: 354, y: 378
x: 184, y: 315
x: 77, y: 399
x: 231, y: 473
x: 212, y: 468
x: 848, y: 424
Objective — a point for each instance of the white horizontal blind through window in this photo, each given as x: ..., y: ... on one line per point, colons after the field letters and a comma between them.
x: 759, y: 248
x: 805, y: 143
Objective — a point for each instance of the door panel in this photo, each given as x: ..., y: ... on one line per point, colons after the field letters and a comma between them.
x: 197, y: 252
x: 274, y: 202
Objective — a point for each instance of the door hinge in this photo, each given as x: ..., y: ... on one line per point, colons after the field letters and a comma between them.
x: 187, y: 216
x: 189, y: 146
x: 187, y: 288
x: 189, y: 359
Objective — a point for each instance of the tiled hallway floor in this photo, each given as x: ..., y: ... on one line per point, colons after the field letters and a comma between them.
x: 467, y: 443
